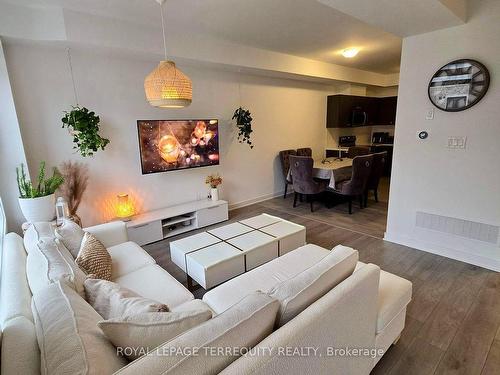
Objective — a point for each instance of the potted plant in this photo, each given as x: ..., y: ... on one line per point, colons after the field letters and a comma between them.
x: 244, y: 123
x: 37, y: 201
x: 84, y: 127
x: 214, y: 180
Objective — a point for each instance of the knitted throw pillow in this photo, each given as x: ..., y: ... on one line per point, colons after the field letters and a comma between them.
x: 93, y: 258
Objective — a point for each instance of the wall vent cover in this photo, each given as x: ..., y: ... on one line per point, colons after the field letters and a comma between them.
x: 458, y: 227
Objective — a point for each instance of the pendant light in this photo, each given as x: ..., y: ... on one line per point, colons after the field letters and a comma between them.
x: 167, y: 86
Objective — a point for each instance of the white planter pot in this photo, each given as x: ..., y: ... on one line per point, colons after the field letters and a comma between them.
x: 38, y: 209
x: 214, y: 193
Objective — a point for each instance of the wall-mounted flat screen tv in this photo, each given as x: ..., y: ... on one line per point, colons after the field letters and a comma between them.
x: 167, y: 145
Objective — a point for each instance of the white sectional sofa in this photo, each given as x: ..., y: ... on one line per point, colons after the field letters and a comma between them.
x: 366, y: 310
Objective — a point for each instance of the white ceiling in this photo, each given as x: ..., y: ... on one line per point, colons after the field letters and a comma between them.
x: 305, y: 28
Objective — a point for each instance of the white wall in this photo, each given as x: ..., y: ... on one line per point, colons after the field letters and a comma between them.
x: 11, y: 149
x: 426, y: 175
x: 287, y: 114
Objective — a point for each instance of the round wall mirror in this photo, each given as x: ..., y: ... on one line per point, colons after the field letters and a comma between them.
x: 459, y: 85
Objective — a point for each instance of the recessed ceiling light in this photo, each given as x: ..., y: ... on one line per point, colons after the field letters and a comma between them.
x: 350, y: 52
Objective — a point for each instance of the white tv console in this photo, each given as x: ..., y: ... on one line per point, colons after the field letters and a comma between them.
x: 170, y: 221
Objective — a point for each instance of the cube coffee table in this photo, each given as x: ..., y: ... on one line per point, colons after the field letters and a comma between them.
x: 215, y: 256
x: 180, y: 248
x: 290, y: 235
x: 214, y: 264
x: 257, y: 247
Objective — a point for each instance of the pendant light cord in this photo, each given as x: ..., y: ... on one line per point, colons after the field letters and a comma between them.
x: 163, y: 29
x: 68, y: 51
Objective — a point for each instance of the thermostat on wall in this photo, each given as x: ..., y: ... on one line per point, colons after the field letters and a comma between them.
x: 422, y: 134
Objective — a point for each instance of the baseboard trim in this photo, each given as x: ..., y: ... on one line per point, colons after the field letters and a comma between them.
x: 438, y: 249
x: 262, y: 198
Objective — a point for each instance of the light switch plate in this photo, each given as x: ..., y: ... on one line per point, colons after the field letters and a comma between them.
x: 429, y: 114
x: 457, y: 142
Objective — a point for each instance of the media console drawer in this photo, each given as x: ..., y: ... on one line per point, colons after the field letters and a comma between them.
x: 212, y: 215
x: 146, y: 233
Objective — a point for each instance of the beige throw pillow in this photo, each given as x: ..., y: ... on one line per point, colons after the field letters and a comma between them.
x: 137, y: 335
x: 297, y: 293
x: 111, y: 300
x: 68, y: 337
x: 203, y: 350
x: 71, y: 235
x: 93, y: 258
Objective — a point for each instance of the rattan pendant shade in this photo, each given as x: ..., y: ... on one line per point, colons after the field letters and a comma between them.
x: 168, y: 87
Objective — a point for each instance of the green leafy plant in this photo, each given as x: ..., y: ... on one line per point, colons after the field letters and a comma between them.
x: 42, y: 187
x: 244, y: 123
x: 84, y: 126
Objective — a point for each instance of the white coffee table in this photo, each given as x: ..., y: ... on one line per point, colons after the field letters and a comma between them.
x: 260, y: 221
x: 179, y: 248
x: 230, y: 230
x: 219, y: 254
x: 214, y: 264
x: 290, y: 235
x: 257, y: 247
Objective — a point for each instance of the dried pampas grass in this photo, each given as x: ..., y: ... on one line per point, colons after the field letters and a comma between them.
x: 76, y: 177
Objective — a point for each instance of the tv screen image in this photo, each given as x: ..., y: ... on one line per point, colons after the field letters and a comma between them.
x: 167, y: 145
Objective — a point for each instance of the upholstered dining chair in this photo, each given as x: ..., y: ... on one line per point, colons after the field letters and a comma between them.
x: 285, y: 166
x: 379, y: 160
x: 356, y: 186
x: 354, y: 151
x: 303, y: 181
x: 306, y: 151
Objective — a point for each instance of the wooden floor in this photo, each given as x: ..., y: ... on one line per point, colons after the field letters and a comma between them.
x: 453, y: 320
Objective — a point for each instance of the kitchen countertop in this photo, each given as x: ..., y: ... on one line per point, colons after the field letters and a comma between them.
x: 346, y: 148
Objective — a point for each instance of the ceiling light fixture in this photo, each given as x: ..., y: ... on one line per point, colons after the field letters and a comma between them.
x: 350, y: 52
x: 166, y: 86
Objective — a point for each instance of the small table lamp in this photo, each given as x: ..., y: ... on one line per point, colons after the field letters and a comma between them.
x: 124, y: 208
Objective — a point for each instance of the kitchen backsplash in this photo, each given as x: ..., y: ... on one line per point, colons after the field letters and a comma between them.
x: 363, y: 134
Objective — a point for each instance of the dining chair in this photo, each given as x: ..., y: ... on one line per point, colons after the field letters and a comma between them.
x: 354, y: 151
x: 303, y: 181
x: 306, y: 151
x: 379, y: 161
x: 356, y: 186
x: 285, y: 166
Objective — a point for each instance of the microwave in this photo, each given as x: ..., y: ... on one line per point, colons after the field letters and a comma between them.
x: 359, y: 117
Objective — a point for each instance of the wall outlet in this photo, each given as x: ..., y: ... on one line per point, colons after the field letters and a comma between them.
x: 429, y: 115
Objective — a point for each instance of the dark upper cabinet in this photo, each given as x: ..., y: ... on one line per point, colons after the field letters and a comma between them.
x: 345, y: 111
x: 387, y: 110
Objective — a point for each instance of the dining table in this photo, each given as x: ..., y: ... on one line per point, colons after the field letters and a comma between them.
x: 334, y: 170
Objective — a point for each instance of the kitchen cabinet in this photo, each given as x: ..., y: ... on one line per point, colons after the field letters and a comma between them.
x: 387, y: 110
x: 346, y: 111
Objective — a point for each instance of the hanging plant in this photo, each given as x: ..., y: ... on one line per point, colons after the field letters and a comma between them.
x: 244, y: 123
x: 84, y: 127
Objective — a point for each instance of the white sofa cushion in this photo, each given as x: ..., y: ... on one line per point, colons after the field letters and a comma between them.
x: 110, y: 234
x: 111, y: 300
x: 49, y: 261
x: 297, y: 293
x: 36, y: 231
x: 264, y: 277
x: 139, y: 334
x: 128, y: 257
x: 20, y: 354
x: 155, y: 283
x: 15, y: 295
x: 242, y: 326
x: 393, y: 297
x: 68, y: 337
x: 71, y: 235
